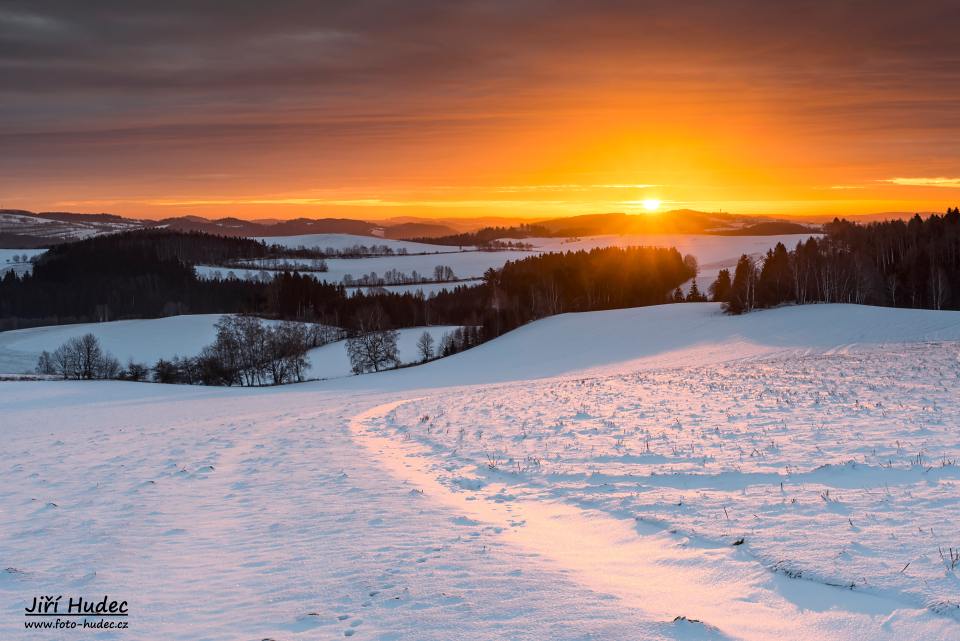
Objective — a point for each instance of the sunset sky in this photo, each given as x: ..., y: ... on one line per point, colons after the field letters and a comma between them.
x: 515, y: 108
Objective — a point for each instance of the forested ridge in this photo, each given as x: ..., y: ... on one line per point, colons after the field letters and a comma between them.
x: 894, y: 263
x: 149, y: 274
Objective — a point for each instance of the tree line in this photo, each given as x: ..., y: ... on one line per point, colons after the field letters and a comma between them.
x: 581, y: 281
x: 893, y: 263
x: 123, y: 276
x: 488, y: 237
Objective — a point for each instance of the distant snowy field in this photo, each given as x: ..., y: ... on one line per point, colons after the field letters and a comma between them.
x: 713, y: 253
x: 143, y: 341
x: 146, y: 341
x: 476, y: 497
x: 470, y: 264
x: 22, y: 263
x: 346, y: 241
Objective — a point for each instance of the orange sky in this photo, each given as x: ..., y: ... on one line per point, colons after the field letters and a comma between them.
x: 462, y: 109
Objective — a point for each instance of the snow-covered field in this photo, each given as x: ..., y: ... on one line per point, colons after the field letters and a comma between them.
x: 17, y: 260
x: 347, y: 241
x: 470, y: 264
x: 62, y: 230
x: 332, y: 360
x: 819, y: 474
x: 143, y: 341
x: 713, y: 253
x: 146, y: 341
x: 474, y: 498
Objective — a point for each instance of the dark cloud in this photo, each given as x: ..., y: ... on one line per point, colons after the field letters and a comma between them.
x: 321, y: 48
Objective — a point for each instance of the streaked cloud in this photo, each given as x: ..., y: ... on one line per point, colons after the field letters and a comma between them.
x: 926, y: 182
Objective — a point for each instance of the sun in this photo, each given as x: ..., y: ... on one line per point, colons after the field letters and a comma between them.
x: 651, y: 204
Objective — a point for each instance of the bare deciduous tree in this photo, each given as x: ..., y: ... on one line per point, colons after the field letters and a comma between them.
x: 374, y: 346
x: 425, y: 346
x: 79, y: 358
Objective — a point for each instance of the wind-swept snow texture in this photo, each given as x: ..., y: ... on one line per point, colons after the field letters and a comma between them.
x: 788, y: 474
x: 227, y: 514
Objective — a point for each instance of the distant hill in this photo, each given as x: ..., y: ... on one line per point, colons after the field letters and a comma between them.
x: 774, y: 228
x: 26, y: 230
x: 405, y: 231
x: 460, y: 225
x: 21, y: 229
x: 295, y: 227
x: 678, y: 221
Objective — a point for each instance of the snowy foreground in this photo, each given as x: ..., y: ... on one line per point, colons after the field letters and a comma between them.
x: 789, y: 474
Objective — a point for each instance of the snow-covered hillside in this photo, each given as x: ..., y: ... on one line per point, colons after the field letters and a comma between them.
x: 464, y: 264
x: 713, y: 253
x: 17, y: 260
x: 145, y: 341
x: 58, y: 229
x: 332, y: 360
x: 841, y: 468
x: 624, y: 340
x: 787, y: 474
x: 348, y: 241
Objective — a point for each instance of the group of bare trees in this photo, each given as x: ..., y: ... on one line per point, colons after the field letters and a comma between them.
x: 80, y: 358
x: 250, y: 352
x: 359, y: 251
x: 373, y: 346
x: 25, y: 258
x: 441, y: 274
x: 247, y: 351
x: 274, y: 264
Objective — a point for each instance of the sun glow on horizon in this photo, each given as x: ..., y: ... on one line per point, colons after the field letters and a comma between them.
x: 651, y: 204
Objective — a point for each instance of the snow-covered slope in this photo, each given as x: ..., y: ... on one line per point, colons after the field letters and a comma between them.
x: 62, y: 228
x: 347, y: 241
x: 332, y: 360
x: 713, y: 253
x: 17, y: 260
x: 671, y: 335
x: 787, y: 474
x: 144, y: 341
x: 464, y: 264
